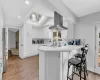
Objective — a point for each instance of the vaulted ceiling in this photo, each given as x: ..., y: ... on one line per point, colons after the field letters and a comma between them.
x: 16, y: 11
x: 82, y: 7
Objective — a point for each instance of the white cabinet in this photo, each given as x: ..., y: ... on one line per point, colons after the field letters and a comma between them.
x: 35, y: 49
x: 47, y: 33
x: 49, y: 66
x: 43, y: 32
x: 64, y: 34
x: 37, y: 32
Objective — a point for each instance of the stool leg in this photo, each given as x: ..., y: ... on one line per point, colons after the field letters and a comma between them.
x: 84, y: 72
x: 86, y: 67
x: 80, y: 71
x: 68, y: 71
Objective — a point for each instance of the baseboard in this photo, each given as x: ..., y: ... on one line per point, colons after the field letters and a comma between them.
x: 90, y: 69
x: 29, y: 55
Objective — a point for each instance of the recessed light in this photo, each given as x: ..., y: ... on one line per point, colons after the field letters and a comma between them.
x: 27, y: 2
x: 19, y: 17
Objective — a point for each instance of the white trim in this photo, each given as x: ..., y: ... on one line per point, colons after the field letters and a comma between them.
x: 96, y: 68
x: 29, y: 55
x: 13, y: 26
x: 90, y: 69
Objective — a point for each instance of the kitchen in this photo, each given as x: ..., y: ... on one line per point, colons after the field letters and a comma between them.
x: 81, y: 20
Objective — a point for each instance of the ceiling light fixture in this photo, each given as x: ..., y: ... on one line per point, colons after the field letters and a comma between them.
x: 27, y: 2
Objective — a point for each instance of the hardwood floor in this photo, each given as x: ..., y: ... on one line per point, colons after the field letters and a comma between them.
x: 26, y: 69
x: 91, y: 76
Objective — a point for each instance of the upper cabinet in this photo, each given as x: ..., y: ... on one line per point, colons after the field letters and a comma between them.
x: 37, y: 32
x: 64, y: 34
x: 47, y: 33
x: 42, y: 32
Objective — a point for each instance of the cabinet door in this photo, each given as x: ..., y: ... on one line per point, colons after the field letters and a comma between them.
x: 64, y: 34
x: 48, y: 33
x: 52, y: 66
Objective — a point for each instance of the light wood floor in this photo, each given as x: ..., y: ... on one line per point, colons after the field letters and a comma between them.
x: 91, y: 76
x: 28, y: 69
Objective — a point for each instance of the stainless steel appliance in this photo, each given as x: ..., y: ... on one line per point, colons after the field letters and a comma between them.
x: 58, y: 22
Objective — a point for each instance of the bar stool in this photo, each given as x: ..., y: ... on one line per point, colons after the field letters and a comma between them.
x: 79, y: 56
x: 77, y: 64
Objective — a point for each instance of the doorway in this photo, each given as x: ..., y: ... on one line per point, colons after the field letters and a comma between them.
x: 13, y: 42
x: 97, y: 48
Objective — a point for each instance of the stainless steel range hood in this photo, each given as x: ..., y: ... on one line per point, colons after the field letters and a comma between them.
x: 58, y: 22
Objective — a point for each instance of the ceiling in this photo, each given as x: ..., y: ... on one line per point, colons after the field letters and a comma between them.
x: 14, y: 8
x: 82, y: 7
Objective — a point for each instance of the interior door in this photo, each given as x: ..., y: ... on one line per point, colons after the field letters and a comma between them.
x: 97, y: 56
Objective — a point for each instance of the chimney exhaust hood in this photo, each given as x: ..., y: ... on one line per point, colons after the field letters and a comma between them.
x: 58, y: 22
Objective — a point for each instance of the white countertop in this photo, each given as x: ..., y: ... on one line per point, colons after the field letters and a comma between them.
x: 68, y: 48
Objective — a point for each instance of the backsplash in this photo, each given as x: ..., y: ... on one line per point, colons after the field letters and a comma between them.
x: 40, y: 41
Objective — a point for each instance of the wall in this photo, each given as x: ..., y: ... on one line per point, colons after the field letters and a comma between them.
x: 71, y: 30
x: 27, y: 40
x: 85, y: 29
x: 11, y: 39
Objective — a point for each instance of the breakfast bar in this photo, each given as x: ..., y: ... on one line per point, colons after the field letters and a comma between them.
x: 53, y: 61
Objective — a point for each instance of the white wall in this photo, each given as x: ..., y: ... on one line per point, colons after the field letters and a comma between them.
x: 85, y: 29
x: 27, y: 39
x: 11, y: 39
x: 70, y: 33
x: 71, y: 30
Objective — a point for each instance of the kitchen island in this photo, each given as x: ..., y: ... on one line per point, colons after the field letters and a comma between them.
x: 53, y: 61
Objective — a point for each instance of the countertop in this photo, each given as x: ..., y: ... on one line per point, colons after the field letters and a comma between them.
x: 67, y: 48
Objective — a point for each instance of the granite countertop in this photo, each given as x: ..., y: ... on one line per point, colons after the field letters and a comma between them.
x: 67, y: 48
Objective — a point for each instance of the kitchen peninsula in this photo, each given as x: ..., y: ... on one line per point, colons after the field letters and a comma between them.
x: 53, y: 61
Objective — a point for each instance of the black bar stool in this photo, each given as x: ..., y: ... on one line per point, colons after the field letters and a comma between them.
x: 77, y: 64
x: 79, y: 56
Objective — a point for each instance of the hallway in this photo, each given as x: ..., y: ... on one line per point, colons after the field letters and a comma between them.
x: 26, y: 69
